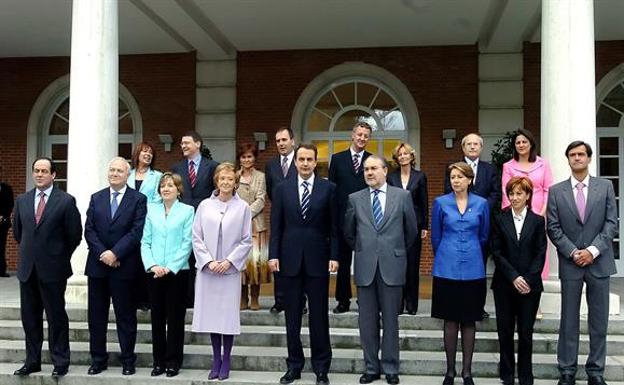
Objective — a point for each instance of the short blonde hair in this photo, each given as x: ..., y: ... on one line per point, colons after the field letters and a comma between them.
x: 224, y: 167
x: 409, y: 148
x: 175, y: 178
x: 464, y: 168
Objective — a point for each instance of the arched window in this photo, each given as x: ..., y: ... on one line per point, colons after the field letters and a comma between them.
x: 610, y: 138
x: 48, y: 127
x: 349, y: 93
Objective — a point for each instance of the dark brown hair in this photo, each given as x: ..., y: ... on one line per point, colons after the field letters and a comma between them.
x: 134, y: 161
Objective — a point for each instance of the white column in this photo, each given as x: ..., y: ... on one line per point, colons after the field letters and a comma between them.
x: 93, y: 108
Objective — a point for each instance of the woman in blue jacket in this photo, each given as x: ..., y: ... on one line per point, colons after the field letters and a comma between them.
x: 143, y: 177
x: 460, y: 225
x: 165, y: 250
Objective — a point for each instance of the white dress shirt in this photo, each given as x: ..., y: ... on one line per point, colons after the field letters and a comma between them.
x: 474, y: 164
x: 300, y: 180
x: 383, y: 190
x: 120, y: 196
x: 47, y: 193
x: 519, y: 220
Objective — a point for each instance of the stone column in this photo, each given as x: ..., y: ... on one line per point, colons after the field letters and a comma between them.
x: 93, y: 119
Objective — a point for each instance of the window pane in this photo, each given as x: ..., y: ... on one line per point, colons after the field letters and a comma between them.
x: 616, y: 186
x: 63, y: 109
x: 609, y: 166
x: 616, y: 249
x: 318, y: 122
x: 61, y: 185
x: 365, y: 94
x: 123, y: 109
x: 350, y: 118
x: 609, y: 146
x: 59, y: 151
x: 616, y: 98
x: 125, y: 150
x: 393, y: 121
x: 384, y: 102
x: 341, y: 145
x: 606, y: 117
x: 328, y: 104
x: 61, y: 169
x: 125, y: 125
x: 322, y: 160
x: 58, y: 126
x: 346, y: 94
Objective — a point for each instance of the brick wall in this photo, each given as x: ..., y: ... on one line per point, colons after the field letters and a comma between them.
x: 442, y: 80
x: 163, y: 86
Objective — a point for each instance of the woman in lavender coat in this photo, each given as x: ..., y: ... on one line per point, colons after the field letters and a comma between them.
x: 221, y: 242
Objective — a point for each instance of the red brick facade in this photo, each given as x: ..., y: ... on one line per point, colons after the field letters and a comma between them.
x: 163, y: 86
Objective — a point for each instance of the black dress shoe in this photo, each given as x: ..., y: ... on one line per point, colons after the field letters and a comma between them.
x: 468, y: 381
x: 128, y: 370
x: 157, y: 371
x: 342, y: 307
x: 60, y: 371
x: 172, y: 372
x: 27, y: 369
x: 96, y: 369
x: 5, y: 275
x: 509, y: 381
x: 596, y: 380
x: 448, y: 379
x: 392, y: 378
x: 322, y: 379
x: 290, y: 376
x: 367, y: 378
x: 567, y: 379
x: 276, y: 309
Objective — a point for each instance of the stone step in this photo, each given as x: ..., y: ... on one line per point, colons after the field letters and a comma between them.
x: 347, y: 320
x: 78, y: 376
x: 343, y: 338
x: 344, y: 360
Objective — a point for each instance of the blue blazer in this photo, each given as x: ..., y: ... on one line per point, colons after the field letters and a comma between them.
x: 458, y: 240
x: 120, y: 234
x: 273, y: 175
x: 167, y: 240
x: 309, y: 242
x: 149, y: 187
x: 203, y: 185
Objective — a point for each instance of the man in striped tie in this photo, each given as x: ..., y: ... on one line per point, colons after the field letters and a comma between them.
x: 304, y: 250
x: 380, y: 226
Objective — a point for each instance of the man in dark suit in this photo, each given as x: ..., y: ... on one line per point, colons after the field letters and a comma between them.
x: 113, y: 231
x: 487, y: 181
x: 380, y: 225
x: 582, y: 223
x: 276, y: 170
x: 6, y: 207
x: 197, y: 174
x: 304, y: 248
x: 48, y: 228
x: 346, y: 171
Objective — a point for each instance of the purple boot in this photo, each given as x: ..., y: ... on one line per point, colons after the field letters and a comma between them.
x: 215, y: 340
x: 228, y: 341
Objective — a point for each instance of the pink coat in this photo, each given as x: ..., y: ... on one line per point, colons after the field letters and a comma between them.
x: 539, y: 173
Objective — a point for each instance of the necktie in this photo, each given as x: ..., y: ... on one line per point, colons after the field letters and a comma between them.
x: 40, y: 207
x: 305, y: 199
x: 580, y: 200
x: 284, y: 166
x: 356, y: 163
x: 192, y: 175
x: 377, y: 213
x: 114, y: 203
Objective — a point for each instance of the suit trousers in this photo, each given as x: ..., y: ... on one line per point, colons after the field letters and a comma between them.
x: 101, y: 290
x: 4, y: 230
x: 343, y: 278
x: 511, y: 308
x: 35, y: 297
x: 597, y: 291
x: 373, y: 299
x: 317, y: 291
x: 168, y: 311
x: 412, y: 276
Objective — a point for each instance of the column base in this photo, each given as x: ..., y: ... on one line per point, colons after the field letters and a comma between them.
x: 76, y: 292
x: 551, y: 300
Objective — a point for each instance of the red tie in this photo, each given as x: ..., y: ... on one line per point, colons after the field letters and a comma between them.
x: 40, y: 207
x: 192, y: 175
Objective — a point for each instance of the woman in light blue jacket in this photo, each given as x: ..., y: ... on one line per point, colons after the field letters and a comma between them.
x: 165, y: 250
x: 143, y: 177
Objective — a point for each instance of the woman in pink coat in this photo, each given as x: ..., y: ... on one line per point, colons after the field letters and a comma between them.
x: 526, y: 163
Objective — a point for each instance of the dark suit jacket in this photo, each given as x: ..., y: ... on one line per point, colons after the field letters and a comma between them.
x: 295, y: 241
x: 120, y: 234
x: 346, y: 179
x: 204, y: 184
x: 524, y: 257
x: 47, y: 246
x: 417, y: 187
x: 6, y: 204
x: 273, y: 174
x: 487, y: 185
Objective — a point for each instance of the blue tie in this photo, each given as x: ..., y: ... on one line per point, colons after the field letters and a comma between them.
x: 377, y: 213
x: 305, y: 199
x: 114, y: 204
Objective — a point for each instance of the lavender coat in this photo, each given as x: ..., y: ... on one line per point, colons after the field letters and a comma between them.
x: 217, y: 297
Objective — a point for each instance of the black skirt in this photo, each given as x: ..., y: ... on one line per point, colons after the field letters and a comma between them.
x: 460, y: 301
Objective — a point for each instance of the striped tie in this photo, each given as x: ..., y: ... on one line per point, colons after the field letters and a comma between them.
x: 377, y: 213
x: 114, y: 204
x: 192, y: 175
x: 305, y: 199
x: 356, y: 163
x: 285, y: 166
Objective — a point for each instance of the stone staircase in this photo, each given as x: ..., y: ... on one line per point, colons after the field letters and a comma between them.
x: 259, y: 352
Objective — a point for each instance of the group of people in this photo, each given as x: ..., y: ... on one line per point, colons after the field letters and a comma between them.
x: 200, y: 229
